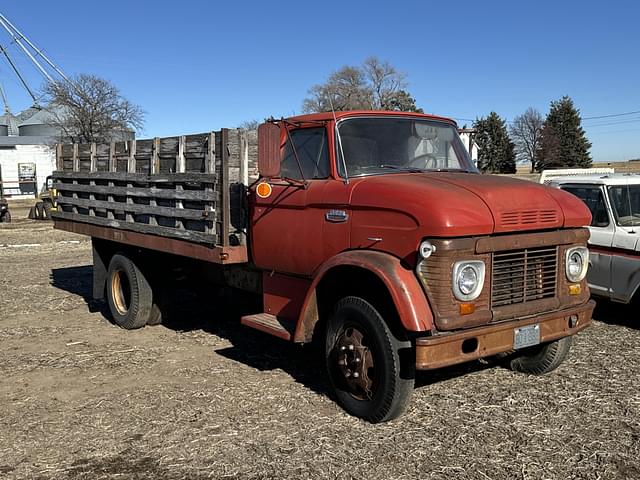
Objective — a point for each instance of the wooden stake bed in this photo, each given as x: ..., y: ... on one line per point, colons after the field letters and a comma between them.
x: 183, y: 195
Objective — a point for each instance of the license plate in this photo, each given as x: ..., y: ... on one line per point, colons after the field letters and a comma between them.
x: 526, y: 336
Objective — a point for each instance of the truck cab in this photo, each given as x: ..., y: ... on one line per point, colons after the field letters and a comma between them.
x: 388, y: 205
x: 614, y: 244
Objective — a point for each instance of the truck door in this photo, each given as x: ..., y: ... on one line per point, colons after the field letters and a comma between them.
x: 625, y: 204
x: 602, y: 230
x: 287, y: 226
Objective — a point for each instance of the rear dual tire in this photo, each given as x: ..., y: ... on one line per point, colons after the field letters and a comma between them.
x: 129, y: 295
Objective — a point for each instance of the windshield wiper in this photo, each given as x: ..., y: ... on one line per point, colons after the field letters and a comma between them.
x: 393, y: 167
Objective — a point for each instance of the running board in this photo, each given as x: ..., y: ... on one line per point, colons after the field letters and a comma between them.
x: 265, y: 322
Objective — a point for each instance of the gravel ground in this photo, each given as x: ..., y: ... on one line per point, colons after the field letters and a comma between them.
x: 207, y: 398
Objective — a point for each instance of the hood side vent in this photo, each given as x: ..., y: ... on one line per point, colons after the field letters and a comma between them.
x: 528, y: 218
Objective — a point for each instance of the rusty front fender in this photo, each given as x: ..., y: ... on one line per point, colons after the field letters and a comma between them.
x: 403, y: 287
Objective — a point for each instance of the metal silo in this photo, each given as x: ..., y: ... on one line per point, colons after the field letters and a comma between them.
x: 8, y: 125
x: 38, y: 125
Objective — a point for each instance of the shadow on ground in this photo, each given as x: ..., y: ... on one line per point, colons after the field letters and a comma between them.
x: 218, y: 311
x: 613, y: 313
x: 126, y: 464
x: 78, y: 281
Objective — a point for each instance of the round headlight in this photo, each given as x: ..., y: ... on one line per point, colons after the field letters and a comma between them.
x: 577, y: 261
x: 468, y: 279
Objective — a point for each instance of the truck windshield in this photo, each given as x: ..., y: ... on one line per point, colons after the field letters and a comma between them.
x: 625, y: 200
x: 378, y: 145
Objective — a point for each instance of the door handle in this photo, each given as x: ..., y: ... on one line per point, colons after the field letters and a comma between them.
x: 336, y: 216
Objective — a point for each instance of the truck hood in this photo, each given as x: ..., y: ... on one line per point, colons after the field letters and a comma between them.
x: 445, y: 204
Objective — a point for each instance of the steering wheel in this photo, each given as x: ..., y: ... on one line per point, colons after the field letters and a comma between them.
x: 426, y: 160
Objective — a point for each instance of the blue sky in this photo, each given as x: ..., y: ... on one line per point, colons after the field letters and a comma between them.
x: 196, y: 65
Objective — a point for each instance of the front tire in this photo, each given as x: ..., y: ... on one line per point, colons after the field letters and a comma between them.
x: 370, y: 375
x: 128, y: 293
x: 542, y: 358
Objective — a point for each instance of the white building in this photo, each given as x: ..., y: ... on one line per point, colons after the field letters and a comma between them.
x: 468, y: 139
x: 27, y: 153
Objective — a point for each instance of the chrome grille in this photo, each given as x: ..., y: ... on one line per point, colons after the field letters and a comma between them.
x: 520, y: 276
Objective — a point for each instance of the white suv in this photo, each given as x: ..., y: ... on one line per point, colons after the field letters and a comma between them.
x: 614, y: 246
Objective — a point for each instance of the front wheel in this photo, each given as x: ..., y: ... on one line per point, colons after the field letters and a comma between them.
x: 6, y: 218
x: 541, y: 359
x: 371, y: 375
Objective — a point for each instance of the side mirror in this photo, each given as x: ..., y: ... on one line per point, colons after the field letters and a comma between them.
x: 269, y: 150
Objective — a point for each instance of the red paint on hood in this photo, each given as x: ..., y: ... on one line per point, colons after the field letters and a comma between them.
x: 460, y: 204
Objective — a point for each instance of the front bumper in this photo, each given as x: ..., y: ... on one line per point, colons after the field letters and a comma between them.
x: 462, y: 346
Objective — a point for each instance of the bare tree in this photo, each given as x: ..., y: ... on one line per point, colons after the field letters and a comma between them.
x: 526, y: 132
x: 376, y: 85
x: 91, y: 109
x: 252, y: 124
x: 346, y: 89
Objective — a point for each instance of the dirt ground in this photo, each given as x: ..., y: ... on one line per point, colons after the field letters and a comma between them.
x: 208, y: 398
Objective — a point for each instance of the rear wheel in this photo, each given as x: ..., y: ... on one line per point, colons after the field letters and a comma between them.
x: 128, y: 293
x: 542, y: 358
x: 39, y: 214
x: 368, y: 371
x: 47, y: 206
x: 6, y: 217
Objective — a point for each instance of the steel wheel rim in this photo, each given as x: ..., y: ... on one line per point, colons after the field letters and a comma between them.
x: 121, y: 295
x: 354, y: 364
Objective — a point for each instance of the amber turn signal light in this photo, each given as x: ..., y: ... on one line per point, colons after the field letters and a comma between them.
x: 263, y: 190
x: 575, y: 289
x: 467, y: 308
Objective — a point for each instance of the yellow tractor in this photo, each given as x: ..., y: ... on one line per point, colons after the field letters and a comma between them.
x: 46, y: 202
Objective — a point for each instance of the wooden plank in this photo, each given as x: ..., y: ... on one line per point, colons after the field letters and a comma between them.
x: 243, y: 141
x: 110, y: 199
x: 180, y: 168
x: 201, y: 251
x: 112, y: 160
x: 180, y: 163
x: 59, y: 159
x: 76, y: 160
x: 225, y: 211
x: 155, y: 158
x: 140, y: 177
x: 186, y: 213
x: 131, y: 164
x: 143, y: 192
x: 92, y: 158
x: 211, y: 154
x: 188, y: 235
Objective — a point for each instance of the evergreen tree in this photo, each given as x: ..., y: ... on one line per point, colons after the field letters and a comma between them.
x: 496, y: 153
x: 563, y: 142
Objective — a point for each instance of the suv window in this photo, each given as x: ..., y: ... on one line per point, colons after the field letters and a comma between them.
x: 311, y: 146
x: 625, y: 200
x: 593, y: 198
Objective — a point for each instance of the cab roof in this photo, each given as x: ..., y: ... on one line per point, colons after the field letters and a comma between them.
x: 328, y: 116
x: 599, y: 179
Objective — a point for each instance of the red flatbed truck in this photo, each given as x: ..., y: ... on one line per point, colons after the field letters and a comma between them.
x: 369, y: 231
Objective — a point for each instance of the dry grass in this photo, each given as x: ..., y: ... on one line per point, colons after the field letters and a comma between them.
x: 82, y: 399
